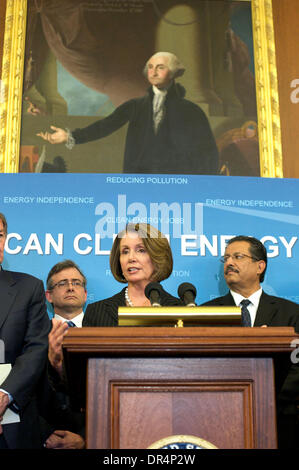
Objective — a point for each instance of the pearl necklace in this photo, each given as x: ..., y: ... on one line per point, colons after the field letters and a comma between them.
x: 128, y: 300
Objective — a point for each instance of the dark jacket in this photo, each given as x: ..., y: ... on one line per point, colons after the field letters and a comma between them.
x: 276, y: 311
x: 272, y: 311
x: 105, y: 312
x: 184, y: 143
x: 55, y: 410
x: 24, y: 328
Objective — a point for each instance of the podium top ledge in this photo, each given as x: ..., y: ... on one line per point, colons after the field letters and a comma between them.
x: 98, y: 341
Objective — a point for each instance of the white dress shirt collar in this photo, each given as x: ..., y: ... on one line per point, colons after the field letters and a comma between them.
x: 254, y: 299
x: 77, y: 319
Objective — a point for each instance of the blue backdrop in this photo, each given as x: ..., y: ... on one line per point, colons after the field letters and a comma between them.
x: 52, y: 217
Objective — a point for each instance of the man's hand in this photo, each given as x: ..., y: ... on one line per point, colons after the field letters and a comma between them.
x: 4, y: 402
x: 64, y: 440
x: 56, y: 335
x: 59, y: 136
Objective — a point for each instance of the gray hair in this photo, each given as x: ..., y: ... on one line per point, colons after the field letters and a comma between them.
x: 175, y: 66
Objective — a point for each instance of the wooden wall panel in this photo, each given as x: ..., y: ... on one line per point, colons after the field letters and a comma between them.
x: 219, y: 412
x: 286, y: 29
x: 133, y: 402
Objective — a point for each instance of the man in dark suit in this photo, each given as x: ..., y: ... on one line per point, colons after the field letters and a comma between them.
x: 166, y: 132
x: 63, y: 428
x: 245, y: 263
x: 24, y: 328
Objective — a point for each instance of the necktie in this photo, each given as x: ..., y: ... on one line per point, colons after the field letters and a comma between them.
x: 71, y: 324
x: 245, y: 315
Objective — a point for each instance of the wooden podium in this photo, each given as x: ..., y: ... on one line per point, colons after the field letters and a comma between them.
x: 143, y: 384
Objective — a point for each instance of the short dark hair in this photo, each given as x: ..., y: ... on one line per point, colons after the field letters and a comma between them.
x: 57, y: 268
x: 155, y: 243
x: 256, y: 249
x: 4, y: 222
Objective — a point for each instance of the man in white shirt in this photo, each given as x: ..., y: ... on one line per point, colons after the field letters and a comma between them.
x: 66, y: 291
x: 245, y: 264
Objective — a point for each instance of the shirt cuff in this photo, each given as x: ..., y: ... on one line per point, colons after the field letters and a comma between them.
x: 9, y: 395
x: 70, y: 143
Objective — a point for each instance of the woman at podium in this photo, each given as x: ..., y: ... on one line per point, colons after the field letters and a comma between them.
x: 140, y: 255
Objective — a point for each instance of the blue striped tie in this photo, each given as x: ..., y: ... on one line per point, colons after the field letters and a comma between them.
x: 245, y: 315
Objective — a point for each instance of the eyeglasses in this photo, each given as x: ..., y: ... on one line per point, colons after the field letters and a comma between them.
x: 236, y: 257
x: 65, y: 283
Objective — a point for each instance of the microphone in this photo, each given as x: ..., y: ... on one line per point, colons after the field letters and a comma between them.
x: 187, y: 293
x: 152, y: 292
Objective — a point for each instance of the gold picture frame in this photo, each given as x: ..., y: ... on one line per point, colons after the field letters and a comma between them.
x: 265, y: 73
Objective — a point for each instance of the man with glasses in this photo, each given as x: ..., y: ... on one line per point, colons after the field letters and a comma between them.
x: 245, y: 264
x: 66, y: 291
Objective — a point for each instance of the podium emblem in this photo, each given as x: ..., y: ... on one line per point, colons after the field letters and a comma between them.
x: 182, y: 441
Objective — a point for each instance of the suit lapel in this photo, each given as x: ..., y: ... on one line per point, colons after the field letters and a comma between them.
x: 226, y: 300
x: 7, y: 294
x: 266, y: 310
